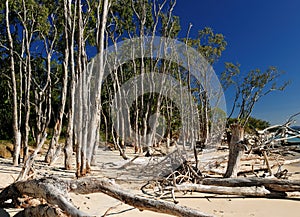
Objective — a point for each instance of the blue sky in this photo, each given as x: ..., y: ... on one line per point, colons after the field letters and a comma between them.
x: 259, y: 34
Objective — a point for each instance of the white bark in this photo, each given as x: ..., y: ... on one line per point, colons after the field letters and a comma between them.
x: 70, y: 25
x: 28, y: 30
x: 16, y: 126
x: 55, y: 192
x: 243, y: 191
x: 88, y: 94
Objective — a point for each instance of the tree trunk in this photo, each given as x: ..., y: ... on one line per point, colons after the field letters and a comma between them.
x: 28, y: 75
x: 70, y: 23
x: 236, y: 150
x: 91, y: 119
x: 16, y: 128
x: 30, y: 160
x: 51, y: 157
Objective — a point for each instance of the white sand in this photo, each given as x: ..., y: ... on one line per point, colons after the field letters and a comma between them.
x: 99, y: 203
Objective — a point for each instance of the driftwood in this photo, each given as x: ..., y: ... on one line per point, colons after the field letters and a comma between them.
x: 55, y: 192
x: 249, y: 187
x: 276, y: 185
x: 252, y: 191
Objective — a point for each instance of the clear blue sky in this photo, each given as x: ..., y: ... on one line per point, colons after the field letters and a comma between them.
x: 259, y: 34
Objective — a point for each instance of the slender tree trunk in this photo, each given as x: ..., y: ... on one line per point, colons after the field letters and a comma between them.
x: 51, y: 157
x: 29, y: 31
x: 94, y: 117
x: 16, y: 128
x: 88, y: 117
x: 236, y: 150
x: 79, y: 99
x: 71, y: 24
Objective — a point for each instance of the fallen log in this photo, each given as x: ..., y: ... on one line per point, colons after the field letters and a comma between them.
x: 241, y: 191
x: 89, y: 185
x: 271, y: 184
x: 55, y: 192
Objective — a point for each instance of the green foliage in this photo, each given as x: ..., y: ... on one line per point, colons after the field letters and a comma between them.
x: 250, y: 87
x: 253, y: 123
x: 44, y: 20
x: 209, y: 44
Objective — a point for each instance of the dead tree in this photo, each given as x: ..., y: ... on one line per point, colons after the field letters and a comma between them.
x: 236, y: 150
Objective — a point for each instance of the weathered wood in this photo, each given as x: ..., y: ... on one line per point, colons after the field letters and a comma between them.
x: 89, y: 185
x: 55, y: 192
x: 269, y: 183
x: 236, y: 150
x: 252, y: 191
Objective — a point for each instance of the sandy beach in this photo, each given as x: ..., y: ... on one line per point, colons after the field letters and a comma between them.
x: 100, y: 204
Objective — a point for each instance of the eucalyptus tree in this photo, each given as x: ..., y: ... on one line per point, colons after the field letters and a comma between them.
x: 128, y: 21
x: 10, y: 47
x: 55, y: 40
x: 31, y: 36
x: 69, y: 65
x: 249, y: 89
x: 17, y: 19
x: 211, y: 46
x: 88, y: 117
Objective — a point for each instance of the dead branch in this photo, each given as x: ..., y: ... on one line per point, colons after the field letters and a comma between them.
x: 55, y: 192
x: 89, y: 185
x: 252, y: 191
x: 271, y: 184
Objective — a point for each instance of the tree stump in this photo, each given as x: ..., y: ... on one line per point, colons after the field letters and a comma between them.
x: 236, y: 150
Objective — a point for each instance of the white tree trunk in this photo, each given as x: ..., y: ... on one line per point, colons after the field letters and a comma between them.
x: 16, y: 127
x: 70, y: 25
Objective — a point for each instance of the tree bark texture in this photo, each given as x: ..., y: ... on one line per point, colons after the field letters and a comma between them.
x: 55, y: 192
x: 236, y: 150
